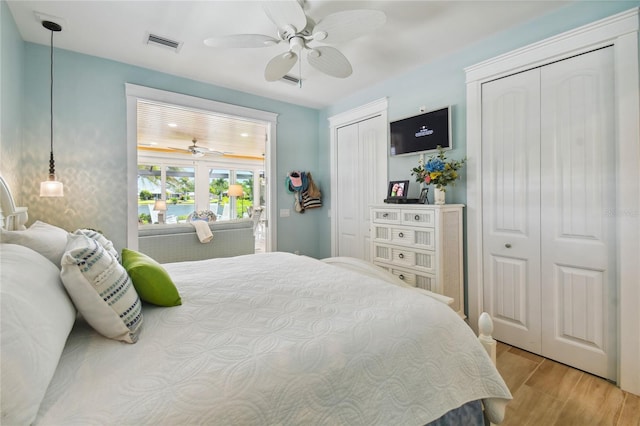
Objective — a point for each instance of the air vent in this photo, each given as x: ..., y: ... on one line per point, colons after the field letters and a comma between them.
x: 290, y: 79
x: 164, y: 42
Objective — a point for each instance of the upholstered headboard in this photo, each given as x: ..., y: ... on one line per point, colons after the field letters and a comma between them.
x: 12, y: 218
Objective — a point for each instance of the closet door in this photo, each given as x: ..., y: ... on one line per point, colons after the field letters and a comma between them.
x: 578, y: 220
x: 361, y: 181
x: 548, y: 218
x: 511, y: 207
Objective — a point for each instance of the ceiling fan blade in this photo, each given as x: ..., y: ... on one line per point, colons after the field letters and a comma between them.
x: 279, y: 66
x: 179, y: 149
x: 347, y: 25
x: 241, y: 40
x: 330, y: 61
x: 285, y: 13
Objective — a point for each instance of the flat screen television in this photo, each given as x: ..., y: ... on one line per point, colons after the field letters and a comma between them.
x: 421, y: 133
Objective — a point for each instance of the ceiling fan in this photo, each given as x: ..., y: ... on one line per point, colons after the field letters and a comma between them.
x: 198, y: 151
x: 299, y: 31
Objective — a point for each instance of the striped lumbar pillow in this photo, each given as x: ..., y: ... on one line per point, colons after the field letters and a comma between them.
x: 101, y: 239
x: 101, y: 289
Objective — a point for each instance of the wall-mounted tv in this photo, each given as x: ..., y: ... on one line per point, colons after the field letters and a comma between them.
x: 421, y: 133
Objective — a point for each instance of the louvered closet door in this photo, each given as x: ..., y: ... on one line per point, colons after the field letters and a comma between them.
x: 511, y: 207
x: 548, y: 210
x: 578, y: 218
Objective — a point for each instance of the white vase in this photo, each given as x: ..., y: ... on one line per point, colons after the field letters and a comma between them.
x: 439, y: 196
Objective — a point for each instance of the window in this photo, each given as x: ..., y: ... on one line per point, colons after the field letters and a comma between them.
x: 218, y: 186
x: 184, y: 189
x: 177, y: 183
x: 245, y: 202
x: 149, y: 134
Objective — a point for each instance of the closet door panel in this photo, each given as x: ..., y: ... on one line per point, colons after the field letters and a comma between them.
x: 348, y: 212
x: 511, y: 207
x: 578, y: 227
x: 373, y: 151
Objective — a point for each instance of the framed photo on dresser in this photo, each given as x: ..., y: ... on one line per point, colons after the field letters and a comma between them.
x: 398, y: 189
x: 423, y: 196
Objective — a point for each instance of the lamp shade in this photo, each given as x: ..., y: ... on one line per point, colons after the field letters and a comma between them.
x: 160, y: 206
x: 235, y: 190
x: 51, y: 188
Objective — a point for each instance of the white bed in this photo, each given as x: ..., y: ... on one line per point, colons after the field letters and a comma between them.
x: 264, y: 339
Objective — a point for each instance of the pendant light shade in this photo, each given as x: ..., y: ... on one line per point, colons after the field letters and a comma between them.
x: 51, y: 187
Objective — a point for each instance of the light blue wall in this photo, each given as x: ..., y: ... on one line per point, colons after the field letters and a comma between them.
x: 90, y: 141
x: 11, y: 82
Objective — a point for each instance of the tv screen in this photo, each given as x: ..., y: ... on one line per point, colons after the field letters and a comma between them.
x: 421, y: 133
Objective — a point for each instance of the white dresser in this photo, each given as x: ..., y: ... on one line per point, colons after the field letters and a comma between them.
x: 421, y: 245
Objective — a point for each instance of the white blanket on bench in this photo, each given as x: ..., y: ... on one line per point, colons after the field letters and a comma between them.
x: 202, y: 229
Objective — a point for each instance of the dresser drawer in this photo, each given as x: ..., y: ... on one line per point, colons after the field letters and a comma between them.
x: 421, y: 260
x: 423, y: 238
x: 418, y: 217
x: 386, y: 216
x: 413, y: 278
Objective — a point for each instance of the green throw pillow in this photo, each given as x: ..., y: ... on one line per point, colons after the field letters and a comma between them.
x: 150, y: 279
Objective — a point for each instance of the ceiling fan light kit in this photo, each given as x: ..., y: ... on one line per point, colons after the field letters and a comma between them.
x: 298, y: 30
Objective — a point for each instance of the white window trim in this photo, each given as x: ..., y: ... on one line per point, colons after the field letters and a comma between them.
x: 270, y: 119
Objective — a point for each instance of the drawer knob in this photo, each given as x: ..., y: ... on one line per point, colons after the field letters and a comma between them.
x: 401, y: 235
x: 507, y: 245
x: 417, y: 217
x: 401, y: 256
x: 385, y: 214
x: 401, y: 277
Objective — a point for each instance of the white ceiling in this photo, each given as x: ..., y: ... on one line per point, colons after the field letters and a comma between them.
x: 416, y: 32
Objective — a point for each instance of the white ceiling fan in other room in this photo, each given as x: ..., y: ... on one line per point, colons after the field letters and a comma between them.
x: 301, y: 33
x: 197, y: 151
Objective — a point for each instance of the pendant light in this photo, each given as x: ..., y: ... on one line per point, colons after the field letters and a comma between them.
x: 51, y: 187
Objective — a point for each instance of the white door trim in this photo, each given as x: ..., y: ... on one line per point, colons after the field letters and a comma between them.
x: 372, y: 109
x: 620, y: 31
x: 135, y: 92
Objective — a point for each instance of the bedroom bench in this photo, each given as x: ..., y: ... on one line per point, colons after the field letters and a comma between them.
x: 178, y: 242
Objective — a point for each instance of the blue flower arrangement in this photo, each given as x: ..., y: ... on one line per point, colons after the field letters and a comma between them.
x: 437, y: 170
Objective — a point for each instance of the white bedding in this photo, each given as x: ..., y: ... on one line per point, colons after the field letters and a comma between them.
x: 276, y: 339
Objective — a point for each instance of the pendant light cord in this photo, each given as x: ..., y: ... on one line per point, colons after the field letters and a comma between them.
x: 52, y: 171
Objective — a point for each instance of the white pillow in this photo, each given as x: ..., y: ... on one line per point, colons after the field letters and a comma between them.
x: 101, y: 239
x: 101, y: 289
x: 37, y: 316
x: 48, y: 240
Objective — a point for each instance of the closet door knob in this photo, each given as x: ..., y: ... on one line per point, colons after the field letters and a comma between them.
x: 507, y: 245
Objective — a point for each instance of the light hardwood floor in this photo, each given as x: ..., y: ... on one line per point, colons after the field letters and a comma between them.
x: 549, y: 393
